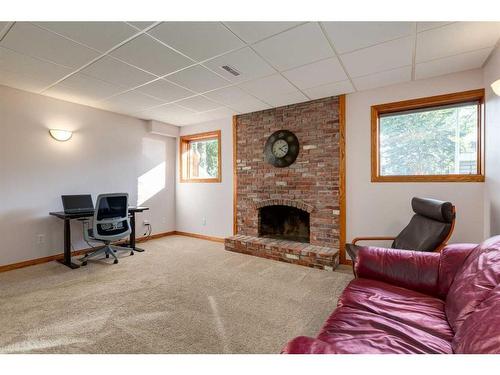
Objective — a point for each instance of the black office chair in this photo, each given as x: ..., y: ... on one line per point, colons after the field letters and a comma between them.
x: 110, y: 223
x: 428, y: 230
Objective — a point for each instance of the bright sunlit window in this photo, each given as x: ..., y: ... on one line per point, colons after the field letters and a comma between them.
x: 200, y: 157
x: 429, y: 139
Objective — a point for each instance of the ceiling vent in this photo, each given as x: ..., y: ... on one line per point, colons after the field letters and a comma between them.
x: 231, y: 70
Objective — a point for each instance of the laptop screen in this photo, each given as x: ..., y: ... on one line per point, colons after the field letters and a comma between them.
x: 77, y: 202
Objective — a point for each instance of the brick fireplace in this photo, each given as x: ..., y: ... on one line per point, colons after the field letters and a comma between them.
x: 292, y: 214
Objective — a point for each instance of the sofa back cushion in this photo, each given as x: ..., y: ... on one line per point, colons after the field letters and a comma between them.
x: 476, y: 278
x: 480, y: 332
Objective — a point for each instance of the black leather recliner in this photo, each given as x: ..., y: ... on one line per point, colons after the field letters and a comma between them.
x: 428, y: 230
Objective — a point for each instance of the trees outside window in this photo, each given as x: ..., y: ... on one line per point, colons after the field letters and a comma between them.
x: 430, y: 139
x: 200, y: 157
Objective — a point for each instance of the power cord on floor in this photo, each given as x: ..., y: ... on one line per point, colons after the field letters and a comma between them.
x: 148, y: 232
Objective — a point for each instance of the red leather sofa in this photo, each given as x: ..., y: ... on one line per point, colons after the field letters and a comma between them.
x: 414, y: 302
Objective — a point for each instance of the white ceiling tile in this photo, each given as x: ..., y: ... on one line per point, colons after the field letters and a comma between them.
x: 456, y: 38
x: 350, y: 36
x: 215, y: 114
x: 422, y: 26
x: 130, y: 102
x: 228, y: 95
x: 198, y: 104
x: 452, y: 64
x: 169, y: 113
x: 301, y: 45
x: 331, y: 89
x: 198, y: 79
x: 272, y: 85
x: 198, y: 40
x: 382, y: 79
x: 99, y: 35
x: 249, y: 105
x: 27, y: 73
x: 252, y: 32
x: 245, y: 61
x: 285, y: 99
x: 379, y: 58
x: 237, y: 99
x: 36, y: 42
x: 79, y: 86
x: 165, y: 90
x: 141, y: 25
x: 318, y: 73
x: 118, y: 73
x: 146, y: 53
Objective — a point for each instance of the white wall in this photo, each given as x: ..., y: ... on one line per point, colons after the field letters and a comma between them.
x: 372, y: 208
x: 492, y: 196
x: 212, y: 201
x: 384, y: 208
x: 108, y: 153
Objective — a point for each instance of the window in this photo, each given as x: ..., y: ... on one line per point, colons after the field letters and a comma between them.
x: 429, y: 140
x: 200, y: 157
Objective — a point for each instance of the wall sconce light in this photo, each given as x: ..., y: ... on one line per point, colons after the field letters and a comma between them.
x: 496, y: 87
x: 60, y: 135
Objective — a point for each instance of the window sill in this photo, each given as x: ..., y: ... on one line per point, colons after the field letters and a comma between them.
x: 430, y: 178
x: 201, y: 180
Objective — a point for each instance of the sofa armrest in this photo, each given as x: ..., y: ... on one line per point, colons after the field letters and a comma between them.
x: 452, y: 258
x: 308, y: 345
x: 409, y: 269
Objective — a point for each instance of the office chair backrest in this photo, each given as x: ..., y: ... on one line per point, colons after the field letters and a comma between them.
x: 429, y: 228
x: 111, y: 220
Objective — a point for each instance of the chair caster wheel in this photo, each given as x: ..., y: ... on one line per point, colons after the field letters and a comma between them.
x: 116, y: 261
x: 131, y: 253
x: 84, y: 263
x: 107, y: 255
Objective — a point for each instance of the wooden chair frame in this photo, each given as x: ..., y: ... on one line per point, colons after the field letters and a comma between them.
x: 389, y: 238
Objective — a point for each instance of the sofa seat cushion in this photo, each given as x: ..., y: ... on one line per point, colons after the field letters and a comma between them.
x: 406, y: 306
x: 376, y: 317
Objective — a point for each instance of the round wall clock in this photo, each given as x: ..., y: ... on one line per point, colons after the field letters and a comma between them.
x: 281, y: 149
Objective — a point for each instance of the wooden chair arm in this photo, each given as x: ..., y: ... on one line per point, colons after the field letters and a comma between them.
x: 374, y: 238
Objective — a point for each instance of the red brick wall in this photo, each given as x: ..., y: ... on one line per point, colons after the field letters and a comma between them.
x: 312, y: 180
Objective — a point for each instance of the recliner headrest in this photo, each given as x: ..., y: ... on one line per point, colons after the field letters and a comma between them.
x: 433, y: 209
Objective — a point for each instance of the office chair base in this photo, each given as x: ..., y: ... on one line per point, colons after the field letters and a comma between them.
x: 107, y: 250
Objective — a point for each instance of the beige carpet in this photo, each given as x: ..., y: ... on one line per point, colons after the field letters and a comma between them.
x: 182, y: 295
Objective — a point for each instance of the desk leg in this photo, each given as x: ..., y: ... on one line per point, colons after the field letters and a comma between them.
x: 67, y: 246
x: 131, y: 241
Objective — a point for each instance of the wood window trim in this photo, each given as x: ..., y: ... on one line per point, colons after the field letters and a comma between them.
x: 428, y: 102
x: 184, y: 143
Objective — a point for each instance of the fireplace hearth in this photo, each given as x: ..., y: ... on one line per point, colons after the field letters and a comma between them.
x: 290, y: 214
x: 284, y: 223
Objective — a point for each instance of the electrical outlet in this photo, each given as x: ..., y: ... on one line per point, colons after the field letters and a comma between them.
x: 146, y: 223
x: 40, y: 239
x: 204, y: 221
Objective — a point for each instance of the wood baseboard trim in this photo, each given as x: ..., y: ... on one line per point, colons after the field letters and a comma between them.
x: 200, y: 236
x: 34, y: 262
x: 51, y: 258
x: 155, y: 236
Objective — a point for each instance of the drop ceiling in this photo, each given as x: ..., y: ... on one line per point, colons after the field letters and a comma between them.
x: 172, y: 71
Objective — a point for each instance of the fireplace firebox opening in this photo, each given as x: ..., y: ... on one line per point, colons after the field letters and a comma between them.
x: 284, y: 223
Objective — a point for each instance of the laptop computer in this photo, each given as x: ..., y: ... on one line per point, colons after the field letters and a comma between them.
x: 78, y: 204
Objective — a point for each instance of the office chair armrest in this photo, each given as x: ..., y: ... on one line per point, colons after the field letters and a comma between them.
x: 373, y: 238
